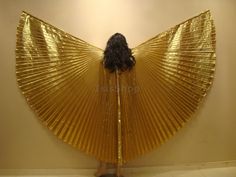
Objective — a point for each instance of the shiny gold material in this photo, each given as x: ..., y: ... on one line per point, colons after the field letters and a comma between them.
x: 116, y: 116
x: 119, y: 123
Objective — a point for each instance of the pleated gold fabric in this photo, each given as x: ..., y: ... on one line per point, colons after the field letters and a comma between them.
x: 173, y: 73
x: 118, y: 116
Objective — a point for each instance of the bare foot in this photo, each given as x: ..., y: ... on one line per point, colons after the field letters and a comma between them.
x: 119, y: 171
x: 102, y: 169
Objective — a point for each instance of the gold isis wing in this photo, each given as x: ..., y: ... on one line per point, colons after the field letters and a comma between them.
x: 118, y: 116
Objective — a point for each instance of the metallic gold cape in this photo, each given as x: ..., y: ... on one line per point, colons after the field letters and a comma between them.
x: 116, y: 116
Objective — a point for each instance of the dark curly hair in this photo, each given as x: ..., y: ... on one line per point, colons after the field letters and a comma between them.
x: 117, y: 54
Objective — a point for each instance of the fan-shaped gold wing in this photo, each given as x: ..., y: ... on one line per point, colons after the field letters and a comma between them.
x: 173, y: 73
x: 63, y: 80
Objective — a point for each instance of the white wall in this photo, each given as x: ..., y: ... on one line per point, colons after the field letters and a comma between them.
x: 210, y: 136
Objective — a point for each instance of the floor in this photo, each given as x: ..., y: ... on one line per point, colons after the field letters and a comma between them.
x: 226, y: 171
x: 212, y: 172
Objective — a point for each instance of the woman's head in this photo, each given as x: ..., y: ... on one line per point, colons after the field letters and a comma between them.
x: 117, y: 54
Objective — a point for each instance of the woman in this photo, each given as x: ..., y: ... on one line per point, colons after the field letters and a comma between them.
x: 117, y: 56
